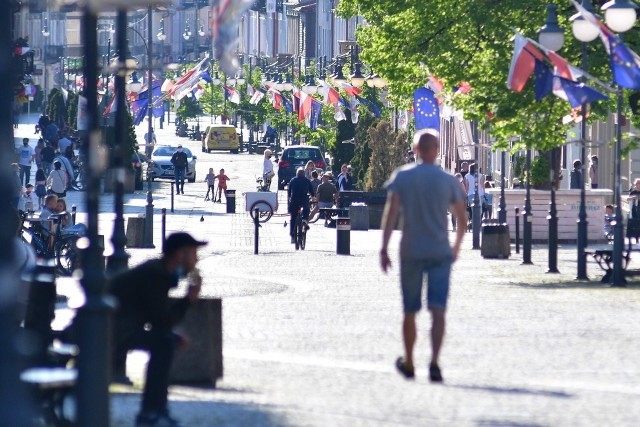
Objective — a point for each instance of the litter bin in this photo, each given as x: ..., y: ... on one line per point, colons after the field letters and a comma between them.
x: 496, y: 242
x: 343, y: 242
x: 230, y: 197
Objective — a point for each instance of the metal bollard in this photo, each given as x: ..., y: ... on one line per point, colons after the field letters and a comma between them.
x: 517, y: 230
x: 73, y: 214
x: 164, y: 227
x: 256, y: 233
x: 172, y: 184
x: 343, y: 233
x: 230, y: 199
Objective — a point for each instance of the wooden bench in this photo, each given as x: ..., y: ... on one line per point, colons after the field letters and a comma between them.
x: 603, y: 254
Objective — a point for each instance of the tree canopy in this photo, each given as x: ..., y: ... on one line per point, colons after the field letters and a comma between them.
x: 471, y: 41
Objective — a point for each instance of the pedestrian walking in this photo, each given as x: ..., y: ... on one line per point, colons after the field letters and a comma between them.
x: 57, y: 180
x: 593, y: 172
x: 222, y: 185
x: 38, y: 152
x: 41, y: 187
x: 424, y: 193
x: 145, y: 318
x: 267, y: 170
x: 27, y: 156
x: 180, y: 164
x: 210, y: 179
x: 575, y: 182
x: 47, y: 154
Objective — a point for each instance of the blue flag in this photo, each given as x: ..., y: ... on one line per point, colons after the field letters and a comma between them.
x: 370, y: 105
x: 426, y: 110
x: 157, y: 103
x: 543, y: 80
x: 576, y: 93
x: 139, y: 110
x: 625, y: 65
x: 287, y: 104
x: 314, y: 118
x: 205, y: 76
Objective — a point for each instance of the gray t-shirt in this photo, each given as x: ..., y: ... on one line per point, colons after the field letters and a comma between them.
x: 426, y: 192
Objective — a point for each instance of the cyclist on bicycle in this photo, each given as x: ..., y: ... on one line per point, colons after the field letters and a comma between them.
x: 299, y: 191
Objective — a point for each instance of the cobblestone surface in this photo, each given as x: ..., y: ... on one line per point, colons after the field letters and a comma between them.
x: 310, y: 337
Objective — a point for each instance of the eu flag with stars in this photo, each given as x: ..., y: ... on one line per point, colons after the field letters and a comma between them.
x: 426, y: 110
x: 543, y: 80
x: 625, y: 64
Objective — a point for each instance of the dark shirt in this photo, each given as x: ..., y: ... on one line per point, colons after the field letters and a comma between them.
x: 143, y: 297
x: 345, y: 182
x: 315, y: 183
x: 299, y: 190
x: 180, y: 160
x: 326, y: 191
x: 576, y: 179
x: 47, y: 154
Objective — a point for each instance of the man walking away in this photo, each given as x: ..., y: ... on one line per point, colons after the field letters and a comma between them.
x: 47, y: 155
x: 145, y: 318
x: 27, y: 157
x: 424, y: 193
x: 180, y: 164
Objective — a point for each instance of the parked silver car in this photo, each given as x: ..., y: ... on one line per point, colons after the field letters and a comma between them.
x: 161, y: 166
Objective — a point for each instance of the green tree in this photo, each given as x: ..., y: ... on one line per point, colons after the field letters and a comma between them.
x: 472, y: 41
x: 72, y: 110
x: 362, y: 152
x: 57, y: 109
x: 189, y: 108
x: 387, y: 153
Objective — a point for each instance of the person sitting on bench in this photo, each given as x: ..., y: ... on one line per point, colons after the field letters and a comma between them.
x: 145, y: 318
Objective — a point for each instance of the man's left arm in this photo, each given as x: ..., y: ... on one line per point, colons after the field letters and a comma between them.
x: 389, y: 219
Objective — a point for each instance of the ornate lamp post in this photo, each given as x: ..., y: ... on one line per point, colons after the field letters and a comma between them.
x: 148, y: 223
x: 526, y: 214
x: 45, y: 34
x: 551, y: 37
x: 585, y: 32
x: 161, y: 37
x: 620, y: 16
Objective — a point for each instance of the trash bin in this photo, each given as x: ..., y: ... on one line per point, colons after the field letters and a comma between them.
x: 359, y: 215
x: 496, y: 242
x: 343, y: 241
x: 230, y: 197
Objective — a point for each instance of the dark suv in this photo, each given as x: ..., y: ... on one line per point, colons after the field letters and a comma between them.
x: 296, y: 156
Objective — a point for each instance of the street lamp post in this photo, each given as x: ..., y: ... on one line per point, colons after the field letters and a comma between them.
x: 119, y: 258
x: 585, y: 32
x: 93, y: 316
x: 551, y: 37
x: 502, y: 211
x: 45, y: 34
x: 476, y: 209
x: 148, y: 223
x: 526, y: 214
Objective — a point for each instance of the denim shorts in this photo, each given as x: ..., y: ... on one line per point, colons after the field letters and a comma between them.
x: 412, y: 274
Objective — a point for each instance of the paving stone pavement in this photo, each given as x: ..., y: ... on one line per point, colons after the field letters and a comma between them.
x: 310, y: 337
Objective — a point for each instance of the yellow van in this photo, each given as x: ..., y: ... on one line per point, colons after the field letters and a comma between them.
x: 220, y: 137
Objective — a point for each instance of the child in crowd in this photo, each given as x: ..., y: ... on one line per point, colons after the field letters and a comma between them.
x: 41, y: 187
x: 609, y: 218
x: 210, y: 179
x: 29, y: 198
x: 222, y: 184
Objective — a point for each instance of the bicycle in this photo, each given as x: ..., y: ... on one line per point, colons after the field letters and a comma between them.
x: 300, y: 230
x: 63, y: 249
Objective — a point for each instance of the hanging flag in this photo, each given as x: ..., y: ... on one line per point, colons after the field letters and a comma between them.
x: 157, y: 100
x: 403, y: 120
x: 304, y: 108
x: 576, y: 93
x: 197, y: 92
x: 353, y: 107
x: 225, y: 22
x: 338, y: 113
x: 183, y: 86
x: 522, y: 63
x: 563, y: 68
x: 425, y: 107
x: 349, y: 89
x: 166, y: 85
x: 370, y: 105
x: 276, y: 98
x: 250, y: 90
x: 463, y: 88
x: 112, y: 107
x: 139, y: 110
x: 204, y: 75
x: 288, y: 105
x: 435, y: 84
x: 257, y: 96
x: 314, y: 114
x: 232, y: 94
x: 624, y: 63
x: 543, y: 80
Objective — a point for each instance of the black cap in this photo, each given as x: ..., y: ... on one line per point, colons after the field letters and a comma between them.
x: 178, y: 241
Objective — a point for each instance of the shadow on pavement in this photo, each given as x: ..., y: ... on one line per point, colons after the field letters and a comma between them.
x: 505, y: 423
x: 575, y: 285
x: 514, y: 390
x: 200, y: 413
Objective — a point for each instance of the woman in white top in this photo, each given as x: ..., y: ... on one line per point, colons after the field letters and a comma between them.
x: 267, y: 170
x: 57, y: 180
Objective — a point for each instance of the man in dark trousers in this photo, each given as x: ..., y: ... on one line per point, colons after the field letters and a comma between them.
x: 300, y: 189
x: 145, y: 317
x: 423, y: 193
x: 180, y: 164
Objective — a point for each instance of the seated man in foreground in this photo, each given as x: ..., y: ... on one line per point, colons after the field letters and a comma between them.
x: 145, y: 318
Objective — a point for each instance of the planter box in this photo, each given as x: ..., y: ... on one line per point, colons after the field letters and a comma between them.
x: 568, y: 207
x: 375, y: 201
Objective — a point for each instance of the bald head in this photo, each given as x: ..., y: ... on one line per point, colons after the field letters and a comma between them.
x: 426, y: 143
